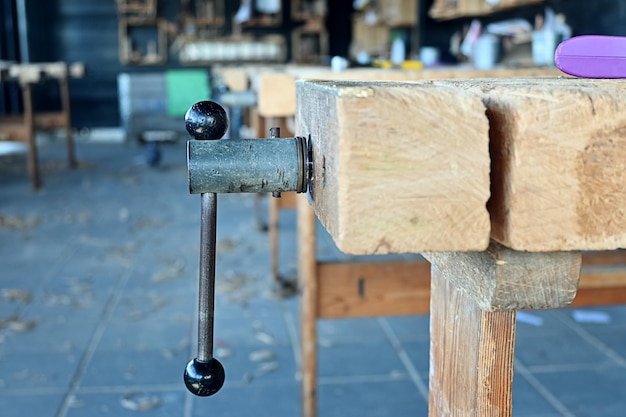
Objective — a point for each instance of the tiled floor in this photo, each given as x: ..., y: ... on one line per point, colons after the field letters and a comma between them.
x: 97, y: 309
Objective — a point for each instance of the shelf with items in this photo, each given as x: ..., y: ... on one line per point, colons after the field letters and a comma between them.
x: 371, y: 40
x: 398, y: 13
x: 378, y: 23
x: 452, y: 9
x: 142, y: 41
x: 202, y: 13
x: 240, y: 49
x: 309, y: 44
x: 308, y: 9
x: 309, y: 41
x: 254, y: 14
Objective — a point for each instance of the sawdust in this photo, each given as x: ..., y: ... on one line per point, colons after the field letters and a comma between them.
x: 137, y: 401
x: 15, y: 294
x: 18, y: 223
x: 17, y: 325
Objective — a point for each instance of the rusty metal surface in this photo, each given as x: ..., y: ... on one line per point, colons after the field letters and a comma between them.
x: 246, y: 166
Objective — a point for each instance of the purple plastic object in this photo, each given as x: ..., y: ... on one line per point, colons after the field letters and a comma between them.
x: 592, y: 56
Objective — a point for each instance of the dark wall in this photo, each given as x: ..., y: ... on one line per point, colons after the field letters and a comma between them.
x: 86, y: 31
x: 9, y: 51
x: 81, y: 31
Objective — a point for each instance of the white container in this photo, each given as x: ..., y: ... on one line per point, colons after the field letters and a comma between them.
x: 486, y: 51
x: 398, y: 52
x: 268, y: 6
x: 429, y: 56
x: 544, y: 46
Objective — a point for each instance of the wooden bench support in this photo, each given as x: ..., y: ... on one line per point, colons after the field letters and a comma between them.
x: 401, y: 287
x: 472, y: 336
x: 348, y: 289
x: 471, y: 355
x: 502, y: 279
x: 549, y: 193
x: 370, y: 289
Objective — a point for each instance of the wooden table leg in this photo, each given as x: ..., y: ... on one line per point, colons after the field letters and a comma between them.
x: 471, y: 355
x: 474, y: 296
x: 307, y: 275
x: 29, y: 124
x: 65, y: 108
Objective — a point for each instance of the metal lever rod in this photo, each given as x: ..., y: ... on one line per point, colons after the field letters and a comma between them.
x: 206, y: 302
x: 205, y: 375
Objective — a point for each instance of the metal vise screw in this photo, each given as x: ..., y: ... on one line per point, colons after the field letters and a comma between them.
x: 229, y: 166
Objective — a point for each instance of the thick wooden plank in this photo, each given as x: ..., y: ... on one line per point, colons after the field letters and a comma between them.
x: 552, y: 188
x: 471, y: 355
x: 276, y: 95
x: 398, y: 167
x: 235, y: 78
x: 597, y: 296
x: 366, y: 289
x: 602, y: 279
x: 444, y: 9
x: 371, y: 289
x: 614, y: 257
x: 605, y: 277
x: 503, y: 279
x: 558, y: 149
x: 276, y: 88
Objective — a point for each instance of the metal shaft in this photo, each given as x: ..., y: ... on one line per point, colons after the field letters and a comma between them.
x: 206, y: 301
x: 275, y: 133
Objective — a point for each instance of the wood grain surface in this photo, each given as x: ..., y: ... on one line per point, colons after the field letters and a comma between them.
x: 501, y: 279
x: 471, y: 355
x: 398, y: 167
x: 276, y: 86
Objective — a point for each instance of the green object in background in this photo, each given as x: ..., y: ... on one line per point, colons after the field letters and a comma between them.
x: 184, y: 88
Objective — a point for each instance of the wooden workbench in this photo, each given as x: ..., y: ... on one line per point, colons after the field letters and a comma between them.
x: 276, y: 102
x: 499, y: 183
x: 276, y: 86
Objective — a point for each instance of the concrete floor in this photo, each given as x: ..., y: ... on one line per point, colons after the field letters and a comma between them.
x: 98, y: 276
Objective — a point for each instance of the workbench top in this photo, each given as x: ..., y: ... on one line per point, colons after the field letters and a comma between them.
x: 276, y: 86
x: 536, y: 164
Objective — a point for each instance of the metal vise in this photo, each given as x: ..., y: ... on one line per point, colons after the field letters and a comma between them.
x: 230, y: 166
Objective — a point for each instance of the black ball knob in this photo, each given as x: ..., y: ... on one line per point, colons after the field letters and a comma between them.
x: 204, y: 378
x: 206, y: 120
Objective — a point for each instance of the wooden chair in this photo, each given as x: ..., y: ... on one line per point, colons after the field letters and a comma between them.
x: 23, y: 127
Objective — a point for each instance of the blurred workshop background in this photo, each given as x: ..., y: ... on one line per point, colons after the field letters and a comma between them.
x: 99, y: 237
